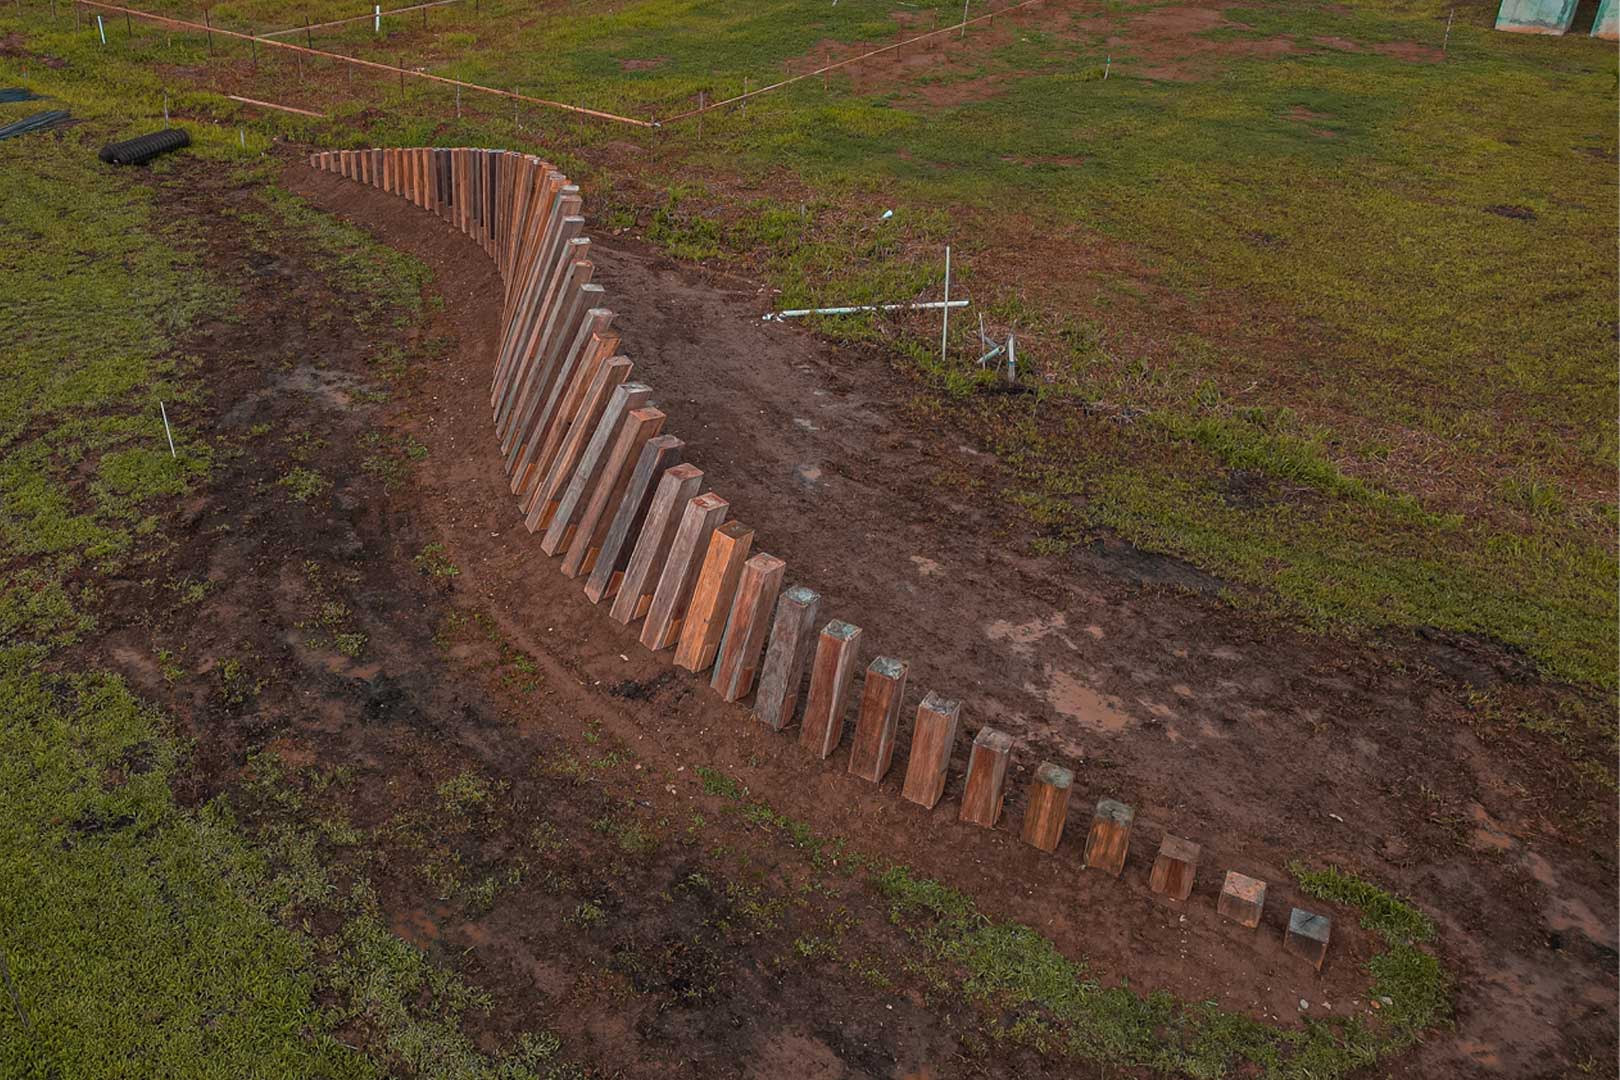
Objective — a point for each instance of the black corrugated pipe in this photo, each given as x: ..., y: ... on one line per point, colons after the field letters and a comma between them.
x: 143, y: 149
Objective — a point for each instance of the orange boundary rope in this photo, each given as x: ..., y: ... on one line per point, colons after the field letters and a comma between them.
x: 184, y: 24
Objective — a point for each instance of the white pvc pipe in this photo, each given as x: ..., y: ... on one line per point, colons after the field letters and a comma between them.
x: 932, y: 305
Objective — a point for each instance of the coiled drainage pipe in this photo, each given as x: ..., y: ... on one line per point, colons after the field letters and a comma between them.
x: 140, y: 150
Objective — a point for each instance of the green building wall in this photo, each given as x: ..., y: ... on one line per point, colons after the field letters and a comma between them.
x: 1538, y: 16
x: 1607, y: 23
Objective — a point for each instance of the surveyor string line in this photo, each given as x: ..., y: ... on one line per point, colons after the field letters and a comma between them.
x: 203, y: 28
x: 358, y: 18
x: 846, y: 62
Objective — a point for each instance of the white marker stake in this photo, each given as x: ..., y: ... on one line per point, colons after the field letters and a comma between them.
x: 1012, y: 358
x: 166, y: 430
x: 945, y: 322
x: 376, y: 19
x: 102, y: 29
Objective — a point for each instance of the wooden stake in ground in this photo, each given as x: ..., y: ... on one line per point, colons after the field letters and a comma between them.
x: 639, y: 429
x: 746, y: 626
x: 932, y: 742
x: 673, y: 596
x: 986, y: 783
x: 783, y: 671
x: 658, y: 455
x: 1110, y: 837
x: 1308, y: 935
x: 592, y: 461
x: 729, y: 548
x: 1048, y: 806
x: 1175, y: 868
x: 882, y: 695
x: 831, y: 673
x: 1243, y: 898
x: 678, y: 486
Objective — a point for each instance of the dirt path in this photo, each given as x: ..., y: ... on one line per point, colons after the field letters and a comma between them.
x: 1262, y: 744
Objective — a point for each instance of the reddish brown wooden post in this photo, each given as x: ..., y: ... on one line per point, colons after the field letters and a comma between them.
x: 639, y: 428
x: 882, y: 694
x: 674, y: 592
x: 932, y: 742
x: 1110, y: 837
x: 785, y: 658
x: 678, y: 486
x: 986, y: 777
x: 711, y: 596
x: 659, y: 454
x: 1242, y: 900
x: 1308, y: 935
x: 592, y: 460
x: 1175, y: 868
x: 830, y: 676
x: 1048, y: 808
x: 746, y: 626
x: 540, y: 486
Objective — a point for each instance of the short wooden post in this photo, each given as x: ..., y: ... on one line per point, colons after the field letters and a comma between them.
x: 1110, y: 837
x: 657, y: 455
x: 932, y: 742
x: 1242, y: 900
x: 1175, y: 868
x: 830, y: 676
x: 729, y: 548
x: 783, y: 671
x: 678, y: 486
x: 638, y: 429
x: 674, y: 592
x: 746, y: 626
x: 1308, y: 935
x: 1048, y: 808
x: 986, y: 783
x: 884, y: 691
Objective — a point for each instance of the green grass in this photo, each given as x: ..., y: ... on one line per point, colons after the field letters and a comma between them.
x: 1048, y: 1002
x: 136, y: 933
x: 1437, y: 377
x: 1029, y: 993
x: 141, y: 938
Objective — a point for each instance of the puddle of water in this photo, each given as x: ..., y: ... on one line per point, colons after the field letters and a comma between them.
x: 1079, y: 702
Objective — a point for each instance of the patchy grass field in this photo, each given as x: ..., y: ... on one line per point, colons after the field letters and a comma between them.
x: 1301, y: 299
x: 1305, y: 301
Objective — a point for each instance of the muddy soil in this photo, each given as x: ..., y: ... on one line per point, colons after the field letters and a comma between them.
x: 1261, y: 743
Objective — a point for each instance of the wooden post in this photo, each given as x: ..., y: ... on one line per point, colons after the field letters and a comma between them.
x: 729, y: 548
x: 592, y: 461
x: 783, y: 671
x: 932, y: 741
x: 837, y: 651
x: 637, y: 430
x: 544, y: 458
x: 986, y: 783
x: 673, y: 596
x: 1242, y: 900
x: 1308, y: 935
x: 1110, y: 837
x: 677, y: 487
x: 746, y: 626
x: 1048, y: 808
x: 548, y: 443
x: 1175, y: 868
x: 882, y: 695
x: 657, y: 455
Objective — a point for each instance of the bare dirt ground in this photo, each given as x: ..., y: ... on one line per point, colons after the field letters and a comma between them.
x: 1263, y: 744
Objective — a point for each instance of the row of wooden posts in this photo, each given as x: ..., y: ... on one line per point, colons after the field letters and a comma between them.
x: 596, y: 475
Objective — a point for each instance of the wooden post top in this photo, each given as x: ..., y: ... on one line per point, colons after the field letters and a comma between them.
x: 1115, y: 811
x: 1054, y: 775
